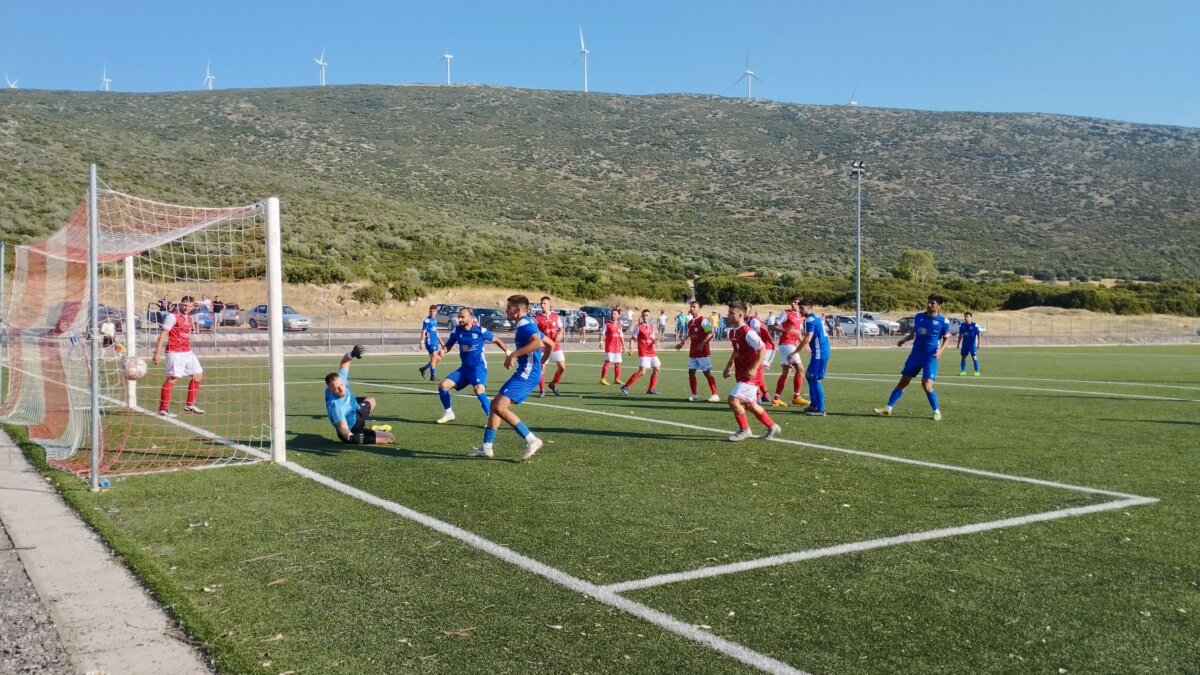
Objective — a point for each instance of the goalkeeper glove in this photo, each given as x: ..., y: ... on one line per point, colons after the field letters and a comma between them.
x: 356, y: 439
x: 358, y: 351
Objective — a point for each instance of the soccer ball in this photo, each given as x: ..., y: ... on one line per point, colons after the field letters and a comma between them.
x: 134, y: 368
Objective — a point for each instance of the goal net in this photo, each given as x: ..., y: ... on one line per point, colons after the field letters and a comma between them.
x: 150, y: 257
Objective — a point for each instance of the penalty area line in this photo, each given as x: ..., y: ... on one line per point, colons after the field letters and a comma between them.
x: 867, y: 545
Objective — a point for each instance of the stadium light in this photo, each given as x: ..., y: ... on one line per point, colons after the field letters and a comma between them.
x: 856, y: 172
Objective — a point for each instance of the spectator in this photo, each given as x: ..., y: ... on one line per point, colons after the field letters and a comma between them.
x: 206, y: 303
x: 680, y: 324
x: 581, y: 326
x: 217, y: 305
x: 662, y: 324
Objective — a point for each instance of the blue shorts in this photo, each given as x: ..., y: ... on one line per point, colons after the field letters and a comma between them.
x: 816, y: 368
x: 973, y: 350
x: 916, y: 363
x: 468, y: 376
x: 432, y: 347
x: 517, y: 388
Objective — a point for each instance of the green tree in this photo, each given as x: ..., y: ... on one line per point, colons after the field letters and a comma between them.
x: 915, y: 265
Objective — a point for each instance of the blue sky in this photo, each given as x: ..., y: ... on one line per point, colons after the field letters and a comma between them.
x: 1133, y: 61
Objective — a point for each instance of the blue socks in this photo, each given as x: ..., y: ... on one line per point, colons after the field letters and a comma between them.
x: 521, y: 429
x: 489, y: 436
x: 932, y: 396
x: 483, y: 401
x: 896, y: 394
x: 445, y: 396
x: 977, y: 365
x: 962, y: 365
x: 816, y: 393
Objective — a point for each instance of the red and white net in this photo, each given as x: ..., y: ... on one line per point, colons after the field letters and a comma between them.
x: 215, y: 255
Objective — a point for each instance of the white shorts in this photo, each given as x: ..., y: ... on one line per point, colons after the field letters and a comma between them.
x: 183, y: 364
x: 557, y: 356
x: 702, y: 363
x: 746, y: 391
x: 649, y: 362
x: 788, y: 356
x: 612, y: 357
x: 769, y: 359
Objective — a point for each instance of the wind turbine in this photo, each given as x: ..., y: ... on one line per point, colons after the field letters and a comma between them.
x: 321, y: 62
x: 12, y: 84
x: 583, y: 53
x: 104, y: 81
x: 749, y: 77
x: 852, y: 93
x: 447, y: 57
x: 208, y: 76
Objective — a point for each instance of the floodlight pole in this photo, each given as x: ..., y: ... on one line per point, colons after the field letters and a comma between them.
x: 856, y: 171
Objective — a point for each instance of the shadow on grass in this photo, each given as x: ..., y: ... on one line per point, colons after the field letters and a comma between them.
x: 1184, y: 422
x: 321, y: 446
x: 621, y: 434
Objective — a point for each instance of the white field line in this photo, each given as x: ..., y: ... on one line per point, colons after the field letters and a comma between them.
x: 1126, y: 383
x: 971, y: 385
x: 859, y: 546
x: 598, y: 593
x: 817, y: 446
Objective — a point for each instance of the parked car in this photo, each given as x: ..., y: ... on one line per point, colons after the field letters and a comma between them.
x: 202, y: 318
x: 601, y: 314
x: 571, y: 319
x: 956, y: 323
x: 447, y: 315
x: 292, y: 320
x: 849, y: 326
x: 492, y: 319
x: 886, y: 326
x: 118, y: 317
x: 230, y: 315
x: 906, y: 325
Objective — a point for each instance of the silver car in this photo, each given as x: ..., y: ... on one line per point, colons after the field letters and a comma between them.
x: 849, y: 326
x: 292, y: 320
x: 886, y: 326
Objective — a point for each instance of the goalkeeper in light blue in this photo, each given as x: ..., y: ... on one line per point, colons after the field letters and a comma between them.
x: 471, y: 338
x: 931, y: 332
x: 970, y: 339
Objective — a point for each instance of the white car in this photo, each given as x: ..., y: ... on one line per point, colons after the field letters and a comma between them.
x: 292, y: 320
x: 886, y: 325
x: 849, y: 326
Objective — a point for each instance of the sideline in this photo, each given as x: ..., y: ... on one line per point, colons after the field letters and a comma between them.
x: 106, y: 620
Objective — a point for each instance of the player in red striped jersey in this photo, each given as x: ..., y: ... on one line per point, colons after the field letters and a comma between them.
x: 749, y: 352
x: 181, y: 362
x: 550, y: 323
x: 612, y: 336
x: 645, y: 335
x: 700, y: 333
x: 791, y: 326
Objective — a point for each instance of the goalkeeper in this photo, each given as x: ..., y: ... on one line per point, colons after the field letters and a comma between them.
x: 349, y: 414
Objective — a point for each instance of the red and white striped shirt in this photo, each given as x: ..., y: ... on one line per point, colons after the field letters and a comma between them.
x: 179, y: 332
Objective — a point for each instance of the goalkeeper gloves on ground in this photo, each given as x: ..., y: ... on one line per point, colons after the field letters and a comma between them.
x: 358, y: 351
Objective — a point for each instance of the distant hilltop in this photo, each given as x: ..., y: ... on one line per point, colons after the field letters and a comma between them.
x: 382, y: 178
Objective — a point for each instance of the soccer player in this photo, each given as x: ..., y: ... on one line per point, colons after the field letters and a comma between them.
x: 181, y: 362
x: 764, y: 332
x: 349, y: 414
x: 471, y: 339
x: 612, y: 336
x: 429, y: 338
x: 749, y: 352
x: 700, y: 332
x: 969, y: 342
x: 791, y: 324
x: 930, y: 333
x: 550, y: 323
x: 646, y: 337
x: 528, y: 358
x: 818, y: 342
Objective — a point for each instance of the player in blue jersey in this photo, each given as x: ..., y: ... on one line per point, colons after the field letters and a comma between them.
x: 930, y: 333
x: 471, y: 339
x: 525, y: 378
x: 348, y: 414
x: 969, y: 342
x: 431, y: 341
x: 818, y: 343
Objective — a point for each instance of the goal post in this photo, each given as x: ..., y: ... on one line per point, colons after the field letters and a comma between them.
x: 87, y: 310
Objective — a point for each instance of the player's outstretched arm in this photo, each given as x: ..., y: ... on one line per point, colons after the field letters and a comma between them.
x: 500, y: 344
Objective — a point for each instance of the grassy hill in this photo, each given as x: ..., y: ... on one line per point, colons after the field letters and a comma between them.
x: 479, y: 183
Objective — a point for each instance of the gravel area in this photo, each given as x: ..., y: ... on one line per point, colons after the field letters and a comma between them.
x: 28, y: 641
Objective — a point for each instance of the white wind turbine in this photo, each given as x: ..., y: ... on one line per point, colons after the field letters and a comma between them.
x: 583, y: 54
x: 321, y: 62
x: 104, y: 80
x: 852, y: 93
x: 749, y: 77
x: 12, y: 84
x: 208, y: 76
x: 447, y: 57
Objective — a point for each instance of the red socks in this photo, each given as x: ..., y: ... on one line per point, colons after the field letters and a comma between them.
x: 193, y: 389
x: 741, y: 420
x: 764, y: 418
x: 164, y: 398
x: 692, y: 381
x: 632, y: 378
x: 712, y: 383
x: 653, y: 380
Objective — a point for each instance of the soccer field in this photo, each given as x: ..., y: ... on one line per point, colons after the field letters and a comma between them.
x: 1048, y: 522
